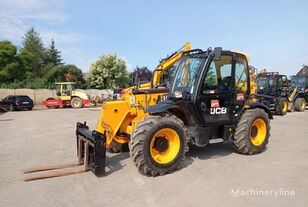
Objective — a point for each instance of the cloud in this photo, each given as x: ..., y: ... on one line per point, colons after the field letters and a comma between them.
x: 62, y: 37
x: 16, y: 16
x: 77, y: 57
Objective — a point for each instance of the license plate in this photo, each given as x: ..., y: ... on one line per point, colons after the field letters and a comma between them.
x: 25, y: 102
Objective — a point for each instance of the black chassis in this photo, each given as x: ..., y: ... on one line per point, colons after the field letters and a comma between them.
x: 271, y: 99
x: 200, y: 132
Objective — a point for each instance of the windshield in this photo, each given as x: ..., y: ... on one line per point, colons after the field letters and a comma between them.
x: 23, y: 98
x: 186, y: 74
x: 262, y: 82
x: 299, y: 82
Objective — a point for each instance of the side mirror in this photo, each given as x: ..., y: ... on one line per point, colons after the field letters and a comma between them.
x: 217, y: 52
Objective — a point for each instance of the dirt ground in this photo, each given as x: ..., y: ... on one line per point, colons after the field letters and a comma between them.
x: 210, y: 176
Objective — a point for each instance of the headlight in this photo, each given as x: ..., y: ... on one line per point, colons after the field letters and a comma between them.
x: 178, y: 94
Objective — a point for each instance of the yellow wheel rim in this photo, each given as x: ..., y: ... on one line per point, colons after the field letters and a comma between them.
x: 165, y: 146
x: 284, y: 106
x: 258, y: 132
x: 76, y: 103
x: 303, y: 104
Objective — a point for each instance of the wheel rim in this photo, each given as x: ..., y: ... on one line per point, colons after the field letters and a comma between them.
x: 303, y: 104
x: 258, y: 132
x: 11, y: 107
x: 76, y: 103
x: 165, y: 146
x: 284, y: 106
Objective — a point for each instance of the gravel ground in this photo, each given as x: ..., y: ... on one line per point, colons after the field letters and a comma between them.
x: 210, y: 176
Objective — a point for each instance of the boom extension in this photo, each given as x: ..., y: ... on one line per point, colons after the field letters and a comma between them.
x: 91, y: 153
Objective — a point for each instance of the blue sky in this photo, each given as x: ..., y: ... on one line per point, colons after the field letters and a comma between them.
x: 274, y: 33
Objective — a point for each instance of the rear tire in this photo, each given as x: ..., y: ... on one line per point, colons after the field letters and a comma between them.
x: 12, y: 107
x: 76, y: 102
x: 158, y: 144
x: 300, y: 104
x: 252, y: 132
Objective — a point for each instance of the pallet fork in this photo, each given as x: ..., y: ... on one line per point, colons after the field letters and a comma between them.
x: 91, y: 153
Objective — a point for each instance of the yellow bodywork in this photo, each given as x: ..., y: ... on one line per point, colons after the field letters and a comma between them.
x: 119, y: 118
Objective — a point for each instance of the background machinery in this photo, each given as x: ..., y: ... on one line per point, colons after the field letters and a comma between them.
x: 67, y: 96
x: 299, y: 85
x: 273, y: 91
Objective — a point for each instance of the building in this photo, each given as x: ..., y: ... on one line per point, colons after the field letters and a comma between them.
x: 303, y: 71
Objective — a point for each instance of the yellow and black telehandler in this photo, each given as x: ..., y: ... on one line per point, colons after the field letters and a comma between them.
x: 209, y: 101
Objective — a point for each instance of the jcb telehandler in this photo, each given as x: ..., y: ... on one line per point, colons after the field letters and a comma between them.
x: 273, y: 91
x: 209, y: 101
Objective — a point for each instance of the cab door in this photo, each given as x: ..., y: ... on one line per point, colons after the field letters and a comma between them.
x: 215, y: 95
x: 223, y: 91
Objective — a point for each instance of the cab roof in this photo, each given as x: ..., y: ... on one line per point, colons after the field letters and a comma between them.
x: 248, y: 57
x: 65, y: 83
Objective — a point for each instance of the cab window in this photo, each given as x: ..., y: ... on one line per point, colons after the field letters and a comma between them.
x: 218, y: 77
x: 241, y: 74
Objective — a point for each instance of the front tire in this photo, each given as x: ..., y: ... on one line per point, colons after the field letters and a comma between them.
x: 252, y: 132
x: 281, y: 106
x: 158, y: 144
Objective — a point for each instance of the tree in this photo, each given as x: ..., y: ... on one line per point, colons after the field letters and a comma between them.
x: 53, y: 55
x: 33, y: 45
x: 65, y: 73
x: 108, y: 72
x: 12, y: 64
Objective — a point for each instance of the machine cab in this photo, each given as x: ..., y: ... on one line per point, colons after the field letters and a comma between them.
x: 64, y: 90
x: 217, y: 86
x: 223, y: 88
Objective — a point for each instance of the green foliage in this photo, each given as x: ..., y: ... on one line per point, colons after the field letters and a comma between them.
x: 13, y: 65
x: 53, y: 55
x: 65, y: 73
x: 34, y: 66
x: 33, y: 45
x: 108, y: 72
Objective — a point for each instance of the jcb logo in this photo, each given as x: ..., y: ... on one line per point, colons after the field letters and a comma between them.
x: 222, y: 110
